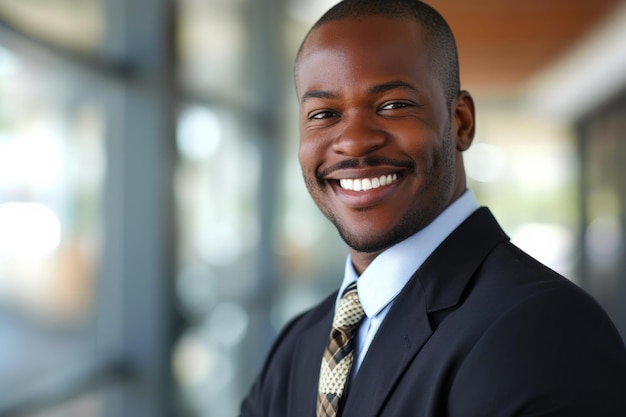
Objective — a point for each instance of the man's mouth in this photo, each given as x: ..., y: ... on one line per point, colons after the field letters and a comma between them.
x: 364, y: 184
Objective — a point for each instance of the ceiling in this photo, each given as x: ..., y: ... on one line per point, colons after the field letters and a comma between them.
x: 503, y: 44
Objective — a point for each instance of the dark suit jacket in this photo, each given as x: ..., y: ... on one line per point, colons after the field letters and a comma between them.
x: 480, y: 330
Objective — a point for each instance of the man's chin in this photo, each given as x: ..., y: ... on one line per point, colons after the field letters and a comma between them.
x: 371, y: 242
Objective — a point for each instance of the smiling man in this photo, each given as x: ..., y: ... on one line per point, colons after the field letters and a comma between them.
x: 381, y: 142
x: 438, y: 314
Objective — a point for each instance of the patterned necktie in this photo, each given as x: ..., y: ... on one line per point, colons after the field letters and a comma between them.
x: 339, y: 353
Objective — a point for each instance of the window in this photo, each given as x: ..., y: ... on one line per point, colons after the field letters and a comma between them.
x: 86, y: 253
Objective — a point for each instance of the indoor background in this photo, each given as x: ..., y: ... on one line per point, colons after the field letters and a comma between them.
x: 155, y: 231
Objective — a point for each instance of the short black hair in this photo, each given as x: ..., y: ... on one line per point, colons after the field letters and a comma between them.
x: 443, y: 49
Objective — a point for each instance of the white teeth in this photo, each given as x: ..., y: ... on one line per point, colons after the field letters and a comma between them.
x: 364, y: 184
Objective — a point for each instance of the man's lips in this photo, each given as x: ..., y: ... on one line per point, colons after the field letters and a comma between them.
x: 359, y: 189
x: 357, y: 200
x: 366, y: 182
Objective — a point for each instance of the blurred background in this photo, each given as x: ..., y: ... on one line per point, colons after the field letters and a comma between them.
x: 155, y: 231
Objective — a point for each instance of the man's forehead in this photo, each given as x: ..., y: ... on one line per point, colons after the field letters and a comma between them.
x: 370, y: 70
x: 368, y: 35
x: 361, y: 27
x: 375, y: 41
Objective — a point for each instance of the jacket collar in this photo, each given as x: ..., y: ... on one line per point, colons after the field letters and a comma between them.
x: 446, y: 273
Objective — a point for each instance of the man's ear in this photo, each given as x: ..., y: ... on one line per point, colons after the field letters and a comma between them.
x: 464, y: 120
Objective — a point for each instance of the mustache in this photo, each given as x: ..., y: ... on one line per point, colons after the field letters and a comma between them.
x: 367, y: 162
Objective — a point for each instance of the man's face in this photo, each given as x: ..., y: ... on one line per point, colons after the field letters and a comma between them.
x: 378, y: 144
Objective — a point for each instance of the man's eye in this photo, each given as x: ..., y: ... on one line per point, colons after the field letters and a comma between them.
x: 395, y: 105
x: 322, y: 115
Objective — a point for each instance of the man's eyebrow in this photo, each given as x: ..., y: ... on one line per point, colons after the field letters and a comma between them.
x: 376, y: 89
x: 317, y: 94
x: 390, y: 85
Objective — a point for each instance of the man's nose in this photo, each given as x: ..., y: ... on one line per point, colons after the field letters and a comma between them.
x: 359, y: 136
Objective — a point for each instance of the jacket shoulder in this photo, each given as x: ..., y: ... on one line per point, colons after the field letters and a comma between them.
x: 266, y: 397
x: 550, y: 347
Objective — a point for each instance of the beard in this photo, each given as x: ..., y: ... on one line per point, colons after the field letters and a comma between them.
x: 438, y: 183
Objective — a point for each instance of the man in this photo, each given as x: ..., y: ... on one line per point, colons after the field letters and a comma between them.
x: 457, y: 321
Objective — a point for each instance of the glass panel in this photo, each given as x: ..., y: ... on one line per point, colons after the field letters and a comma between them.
x: 217, y: 187
x: 524, y: 169
x: 51, y: 176
x: 87, y: 405
x: 603, y: 186
x: 58, y: 21
x: 212, y: 42
x: 605, y: 201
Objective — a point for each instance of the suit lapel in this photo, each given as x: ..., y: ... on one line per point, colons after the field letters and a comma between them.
x: 394, y: 346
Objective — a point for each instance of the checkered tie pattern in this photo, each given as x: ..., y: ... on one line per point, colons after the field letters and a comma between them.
x: 339, y: 353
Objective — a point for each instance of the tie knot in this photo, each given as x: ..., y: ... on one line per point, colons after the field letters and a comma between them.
x: 349, y: 312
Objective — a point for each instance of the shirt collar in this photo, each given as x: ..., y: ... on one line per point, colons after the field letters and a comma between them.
x: 389, y: 272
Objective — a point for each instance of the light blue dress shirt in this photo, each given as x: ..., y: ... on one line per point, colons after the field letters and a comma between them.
x: 389, y: 272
